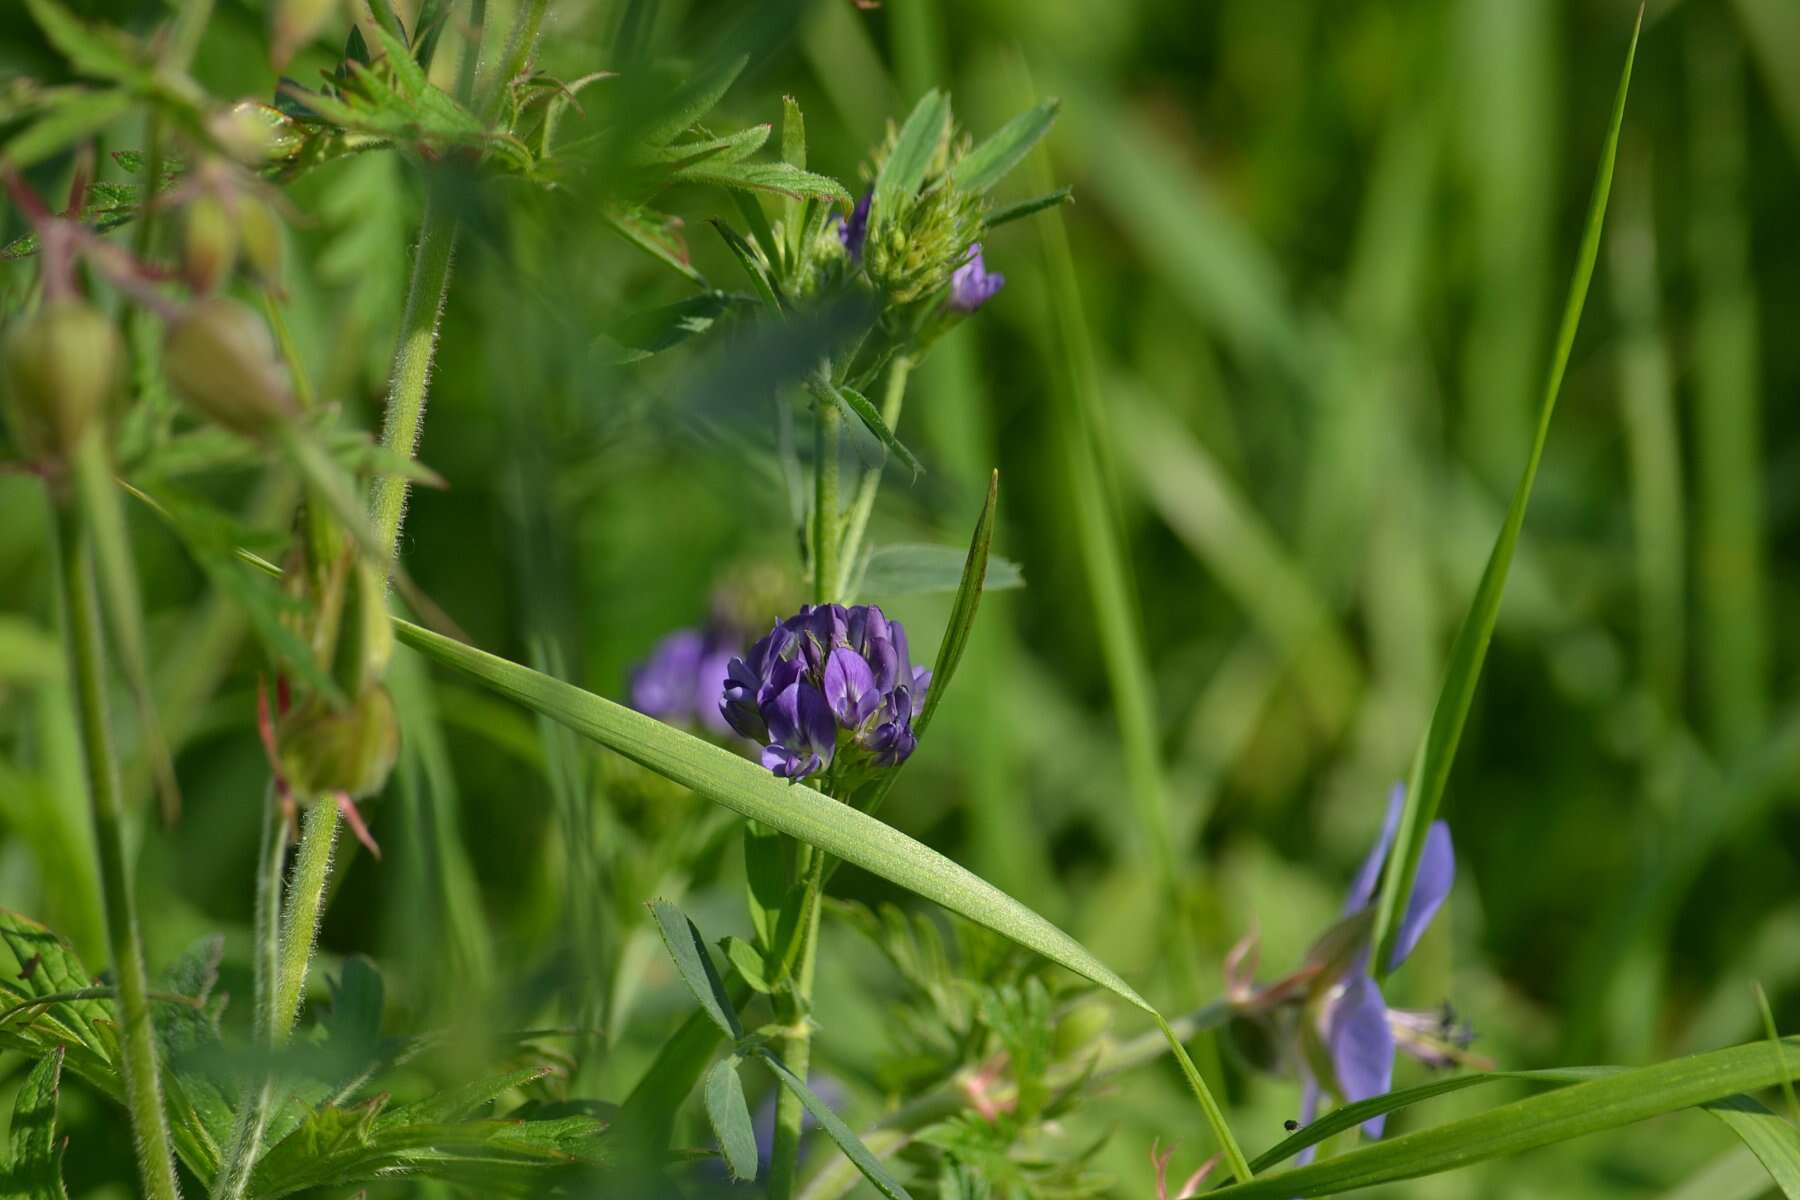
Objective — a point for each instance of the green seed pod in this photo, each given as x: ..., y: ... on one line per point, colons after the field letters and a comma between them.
x: 210, y: 249
x: 62, y: 369
x: 365, y: 635
x: 258, y: 135
x: 351, y: 750
x: 260, y: 230
x: 220, y: 356
x: 1081, y: 1027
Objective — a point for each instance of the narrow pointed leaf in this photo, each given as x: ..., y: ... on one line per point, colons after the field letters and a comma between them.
x: 649, y: 1111
x: 866, y: 412
x: 1431, y: 766
x: 1027, y: 208
x: 36, y: 1171
x: 688, y: 949
x: 962, y: 612
x: 839, y: 1132
x: 988, y: 163
x: 1610, y: 1101
x: 910, y: 159
x: 691, y: 102
x: 759, y: 279
x: 730, y: 1117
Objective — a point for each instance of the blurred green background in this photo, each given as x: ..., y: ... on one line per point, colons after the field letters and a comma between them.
x: 1284, y: 375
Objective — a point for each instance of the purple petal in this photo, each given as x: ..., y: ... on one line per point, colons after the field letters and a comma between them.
x: 1362, y: 886
x: 853, y: 230
x: 850, y: 687
x: 1437, y: 871
x: 972, y: 284
x: 1362, y: 1046
x: 782, y: 713
x: 787, y: 764
x: 818, y: 726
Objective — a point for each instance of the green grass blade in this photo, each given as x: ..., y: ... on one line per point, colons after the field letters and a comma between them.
x: 1431, y: 767
x: 988, y: 163
x: 1775, y: 1143
x: 1609, y: 1102
x: 962, y: 610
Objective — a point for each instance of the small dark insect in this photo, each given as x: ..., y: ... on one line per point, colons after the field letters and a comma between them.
x: 29, y: 967
x: 1290, y: 1124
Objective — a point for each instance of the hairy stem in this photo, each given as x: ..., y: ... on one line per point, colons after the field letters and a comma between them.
x: 828, y: 417
x: 794, y: 1009
x: 87, y: 664
x: 413, y: 357
x: 253, y: 1116
x: 305, y: 908
x: 857, y: 522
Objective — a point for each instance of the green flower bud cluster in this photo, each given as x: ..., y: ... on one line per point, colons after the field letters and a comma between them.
x: 911, y: 253
x: 61, y: 366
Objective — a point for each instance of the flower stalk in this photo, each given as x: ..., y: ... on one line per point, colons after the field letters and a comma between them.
x: 87, y: 664
x: 856, y: 523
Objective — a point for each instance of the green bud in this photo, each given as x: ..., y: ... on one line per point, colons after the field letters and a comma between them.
x: 365, y: 635
x: 1081, y: 1026
x: 220, y: 356
x: 257, y: 135
x: 351, y: 750
x: 211, y: 243
x: 62, y: 369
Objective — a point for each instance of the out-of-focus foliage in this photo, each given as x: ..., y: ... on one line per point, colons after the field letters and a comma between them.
x: 1319, y: 249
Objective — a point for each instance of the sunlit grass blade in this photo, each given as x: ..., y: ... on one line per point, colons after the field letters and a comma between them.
x: 1614, y: 1100
x: 1431, y: 767
x: 1775, y: 1143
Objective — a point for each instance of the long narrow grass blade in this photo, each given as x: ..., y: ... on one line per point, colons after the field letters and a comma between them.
x: 962, y: 612
x: 1431, y: 767
x: 1614, y: 1100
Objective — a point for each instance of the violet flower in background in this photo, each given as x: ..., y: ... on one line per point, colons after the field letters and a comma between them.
x: 972, y: 284
x: 825, y: 676
x: 853, y: 230
x: 680, y: 679
x: 1359, y: 1032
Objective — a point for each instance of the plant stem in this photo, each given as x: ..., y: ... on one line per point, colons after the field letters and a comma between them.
x: 520, y: 44
x: 413, y: 357
x: 794, y: 1010
x: 253, y: 1117
x: 857, y: 522
x: 305, y: 906
x: 828, y: 417
x: 87, y: 664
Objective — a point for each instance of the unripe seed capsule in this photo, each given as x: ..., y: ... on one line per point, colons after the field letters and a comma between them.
x: 351, y: 750
x: 211, y: 244
x: 219, y: 355
x: 62, y: 369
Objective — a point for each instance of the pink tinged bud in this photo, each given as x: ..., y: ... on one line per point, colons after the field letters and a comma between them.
x: 325, y: 750
x: 220, y: 356
x: 61, y: 371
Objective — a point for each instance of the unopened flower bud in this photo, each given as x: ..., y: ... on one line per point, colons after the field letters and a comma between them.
x: 210, y: 244
x: 256, y: 134
x: 220, y: 356
x: 62, y: 368
x: 365, y: 634
x: 350, y: 750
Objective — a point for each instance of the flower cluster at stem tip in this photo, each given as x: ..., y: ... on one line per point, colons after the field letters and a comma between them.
x: 829, y: 685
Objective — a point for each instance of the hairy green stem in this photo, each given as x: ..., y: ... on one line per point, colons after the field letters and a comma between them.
x: 87, y: 664
x: 520, y: 44
x: 827, y: 420
x: 305, y: 907
x: 857, y: 522
x: 795, y: 1010
x: 413, y: 357
x: 253, y: 1115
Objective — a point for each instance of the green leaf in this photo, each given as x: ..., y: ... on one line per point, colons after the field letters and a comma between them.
x: 688, y: 949
x: 987, y: 164
x: 730, y: 1117
x: 767, y: 869
x: 36, y: 964
x: 906, y: 165
x: 839, y: 1132
x: 962, y: 612
x: 759, y: 278
x: 793, y: 153
x: 1775, y: 1143
x: 748, y: 960
x: 690, y: 102
x: 649, y: 1111
x: 1431, y: 765
x: 1614, y: 1099
x: 36, y: 1169
x: 731, y: 148
x: 657, y: 234
x: 71, y: 122
x: 91, y: 49
x: 1027, y: 208
x: 791, y: 808
x: 914, y: 569
x: 761, y: 232
x: 776, y: 177
x: 870, y: 416
x: 654, y: 330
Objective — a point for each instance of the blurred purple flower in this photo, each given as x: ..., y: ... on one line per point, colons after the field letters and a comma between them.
x: 1360, y: 1033
x: 826, y: 674
x: 679, y: 681
x: 853, y: 230
x: 972, y: 284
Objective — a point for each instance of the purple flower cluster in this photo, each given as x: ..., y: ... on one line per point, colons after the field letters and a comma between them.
x: 679, y: 681
x: 825, y: 675
x: 972, y: 284
x: 853, y: 230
